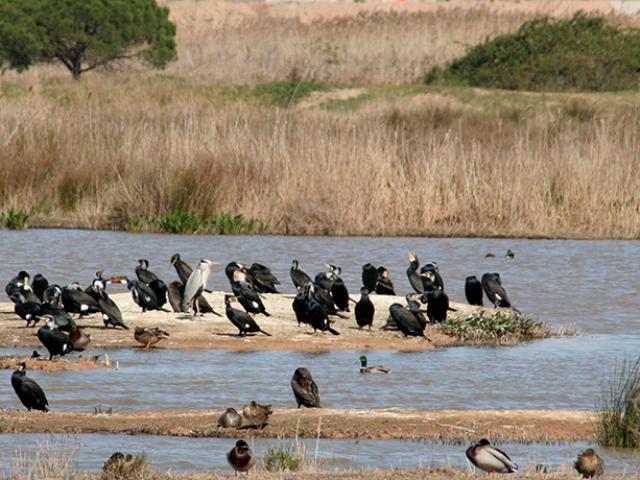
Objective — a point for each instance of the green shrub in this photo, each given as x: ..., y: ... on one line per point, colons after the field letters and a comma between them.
x: 288, y: 92
x: 618, y: 420
x: 15, y: 219
x: 283, y: 459
x: 493, y: 327
x: 180, y: 221
x: 230, y: 224
x: 582, y: 53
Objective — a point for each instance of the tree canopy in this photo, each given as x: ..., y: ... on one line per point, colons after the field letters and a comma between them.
x: 84, y: 34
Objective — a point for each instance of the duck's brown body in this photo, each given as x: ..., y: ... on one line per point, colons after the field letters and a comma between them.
x: 257, y: 415
x: 241, y: 457
x: 589, y: 464
x: 149, y: 336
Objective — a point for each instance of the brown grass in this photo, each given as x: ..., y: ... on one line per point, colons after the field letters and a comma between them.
x: 118, y: 147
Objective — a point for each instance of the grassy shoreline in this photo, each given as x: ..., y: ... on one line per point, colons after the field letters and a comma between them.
x: 318, y: 129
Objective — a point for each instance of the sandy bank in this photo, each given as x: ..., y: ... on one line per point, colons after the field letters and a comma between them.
x: 42, y: 364
x: 446, y: 425
x: 215, y: 332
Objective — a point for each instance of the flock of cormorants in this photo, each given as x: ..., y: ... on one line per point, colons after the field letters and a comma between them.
x: 317, y: 300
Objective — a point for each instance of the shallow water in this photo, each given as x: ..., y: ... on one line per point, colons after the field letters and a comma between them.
x: 561, y: 373
x: 90, y: 451
x: 592, y: 284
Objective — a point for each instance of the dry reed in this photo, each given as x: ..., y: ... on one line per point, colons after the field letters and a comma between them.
x: 118, y: 147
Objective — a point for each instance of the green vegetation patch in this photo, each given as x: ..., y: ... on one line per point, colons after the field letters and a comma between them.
x: 495, y: 327
x: 181, y: 221
x: 583, y: 53
x: 618, y: 420
x: 286, y: 93
x: 15, y: 219
x: 283, y: 459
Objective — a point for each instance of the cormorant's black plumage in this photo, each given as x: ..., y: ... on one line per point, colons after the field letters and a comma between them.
x: 364, y: 309
x: 473, y: 290
x: 305, y: 389
x: 370, y: 277
x: 29, y: 392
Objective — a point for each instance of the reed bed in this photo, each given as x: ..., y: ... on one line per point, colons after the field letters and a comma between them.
x: 99, y: 155
x: 127, y: 149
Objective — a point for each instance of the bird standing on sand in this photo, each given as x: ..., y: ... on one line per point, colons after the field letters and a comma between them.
x: 196, y: 284
x: 412, y: 274
x: 364, y: 310
x: 242, y: 320
x: 492, y: 286
x: 370, y: 276
x: 241, y: 457
x: 377, y: 369
x: 176, y: 289
x: 589, y: 464
x: 298, y: 277
x: 489, y: 458
x: 473, y: 290
x: 28, y: 391
x: 384, y: 285
x: 305, y: 389
x: 55, y: 341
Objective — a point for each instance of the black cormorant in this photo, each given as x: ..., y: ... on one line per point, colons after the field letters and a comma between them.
x: 305, y: 389
x: 370, y: 277
x: 28, y: 391
x: 413, y: 275
x: 473, y: 290
x: 242, y: 320
x: 298, y: 277
x: 364, y: 309
x: 384, y: 285
x: 55, y: 341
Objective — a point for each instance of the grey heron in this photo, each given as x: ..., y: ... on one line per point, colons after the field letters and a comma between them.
x: 196, y: 284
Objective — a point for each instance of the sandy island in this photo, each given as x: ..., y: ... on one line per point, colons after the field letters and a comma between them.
x: 401, y: 424
x: 215, y: 332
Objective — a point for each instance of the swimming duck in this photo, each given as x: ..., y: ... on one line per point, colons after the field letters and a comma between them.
x: 589, y: 464
x: 510, y: 254
x: 364, y: 310
x: 305, y: 389
x: 257, y: 415
x: 149, y: 336
x: 230, y: 418
x: 377, y: 369
x: 489, y: 458
x: 28, y: 391
x: 241, y: 457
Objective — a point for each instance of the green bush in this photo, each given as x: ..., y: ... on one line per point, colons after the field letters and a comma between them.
x: 582, y: 53
x: 288, y: 92
x: 180, y: 221
x: 230, y: 224
x: 282, y: 459
x: 492, y: 327
x: 618, y: 421
x: 15, y: 219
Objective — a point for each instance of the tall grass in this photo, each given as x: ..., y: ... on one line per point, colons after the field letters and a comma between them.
x: 127, y: 150
x: 618, y: 421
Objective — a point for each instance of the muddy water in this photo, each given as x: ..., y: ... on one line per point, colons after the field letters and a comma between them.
x: 88, y: 452
x: 592, y: 284
x: 563, y: 373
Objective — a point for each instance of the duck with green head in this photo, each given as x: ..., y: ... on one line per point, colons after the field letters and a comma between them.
x: 377, y: 369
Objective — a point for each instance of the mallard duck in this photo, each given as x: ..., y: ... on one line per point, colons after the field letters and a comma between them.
x: 377, y: 369
x: 510, y: 254
x: 589, y: 464
x: 305, y: 389
x: 241, y: 457
x: 28, y: 391
x: 149, y: 335
x: 489, y: 458
x: 230, y: 418
x: 257, y: 415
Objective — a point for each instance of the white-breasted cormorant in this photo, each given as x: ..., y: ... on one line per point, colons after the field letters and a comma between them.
x: 244, y: 322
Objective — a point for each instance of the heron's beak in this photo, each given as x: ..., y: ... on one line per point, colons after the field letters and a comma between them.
x: 214, y: 264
